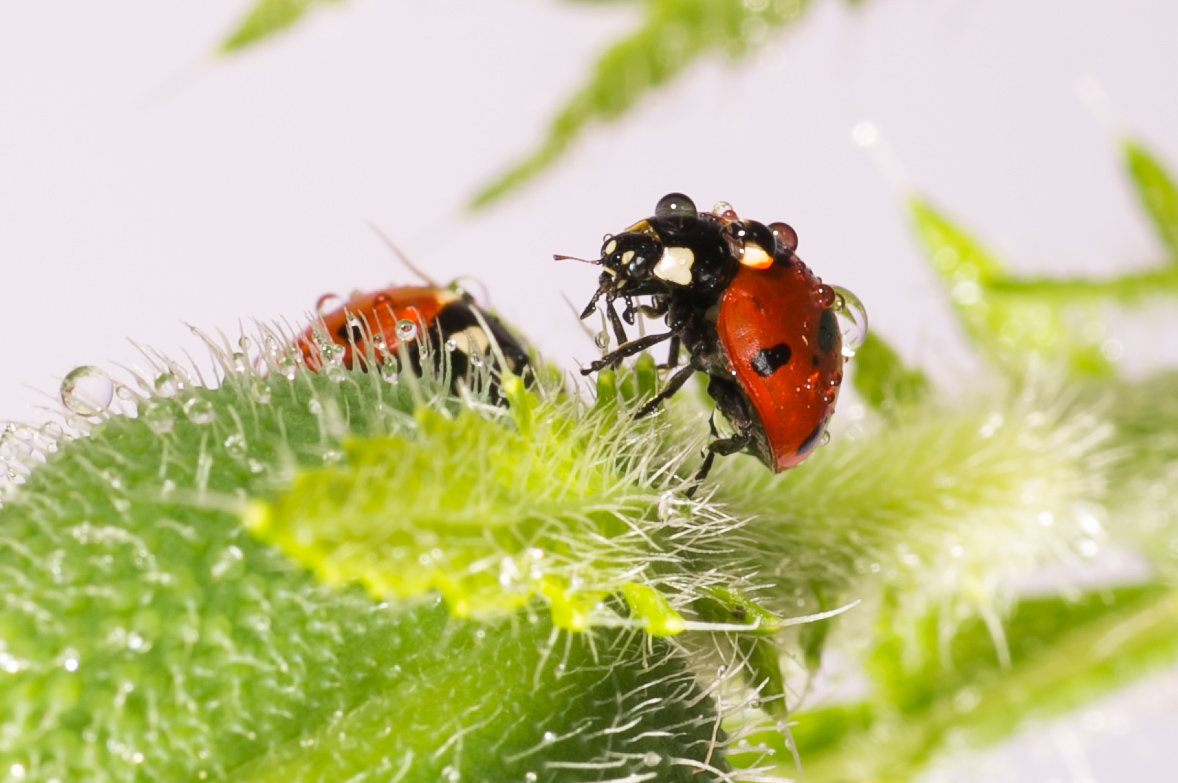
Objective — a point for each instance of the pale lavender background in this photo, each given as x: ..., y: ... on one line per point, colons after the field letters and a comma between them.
x: 143, y: 183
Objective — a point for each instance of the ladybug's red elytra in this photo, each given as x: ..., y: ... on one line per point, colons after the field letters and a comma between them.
x: 750, y: 315
x: 379, y: 325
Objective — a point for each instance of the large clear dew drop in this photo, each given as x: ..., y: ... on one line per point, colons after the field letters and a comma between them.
x: 87, y: 391
x: 852, y: 318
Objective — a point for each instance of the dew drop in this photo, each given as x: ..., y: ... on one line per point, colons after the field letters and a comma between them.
x: 530, y: 777
x: 549, y: 736
x: 852, y: 318
x: 166, y: 384
x: 157, y: 415
x: 406, y: 330
x: 601, y: 339
x: 390, y: 371
x: 328, y: 303
x: 725, y: 210
x: 87, y: 391
x: 199, y: 410
x: 675, y: 205
x: 652, y: 758
x: 785, y: 235
x: 235, y: 445
x: 451, y: 345
x: 451, y: 774
x: 261, y: 393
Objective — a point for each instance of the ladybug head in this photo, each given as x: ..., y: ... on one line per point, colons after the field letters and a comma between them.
x: 628, y: 261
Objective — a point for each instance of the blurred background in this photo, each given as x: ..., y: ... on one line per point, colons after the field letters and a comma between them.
x: 147, y: 182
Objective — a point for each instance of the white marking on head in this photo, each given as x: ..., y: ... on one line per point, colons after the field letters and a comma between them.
x: 675, y: 265
x: 627, y: 257
x: 610, y: 247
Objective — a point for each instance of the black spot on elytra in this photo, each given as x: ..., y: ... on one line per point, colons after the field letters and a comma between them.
x: 770, y: 360
x: 812, y: 440
x: 350, y: 333
x: 828, y: 331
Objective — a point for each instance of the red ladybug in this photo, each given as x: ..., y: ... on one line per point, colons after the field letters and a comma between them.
x: 376, y: 326
x: 747, y: 311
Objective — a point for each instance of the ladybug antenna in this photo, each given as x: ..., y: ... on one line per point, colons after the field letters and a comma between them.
x: 404, y: 259
x: 595, y: 262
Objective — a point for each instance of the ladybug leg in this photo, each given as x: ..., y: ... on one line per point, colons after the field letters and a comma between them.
x: 672, y: 354
x: 626, y: 349
x: 615, y: 322
x: 673, y: 385
x: 723, y: 447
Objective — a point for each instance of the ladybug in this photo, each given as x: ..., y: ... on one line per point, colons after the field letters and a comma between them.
x: 747, y: 311
x: 376, y: 327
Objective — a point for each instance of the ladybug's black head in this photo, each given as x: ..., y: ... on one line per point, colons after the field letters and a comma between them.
x: 628, y: 261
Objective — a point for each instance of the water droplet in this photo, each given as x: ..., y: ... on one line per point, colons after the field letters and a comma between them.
x: 725, y: 210
x: 852, y: 318
x: 166, y: 384
x: 241, y: 364
x: 824, y: 438
x: 530, y: 777
x: 601, y: 339
x: 451, y: 345
x: 157, y: 414
x: 652, y: 758
x: 675, y: 205
x: 451, y: 774
x: 199, y: 410
x: 390, y: 371
x: 230, y: 563
x: 785, y: 235
x: 235, y: 445
x: 406, y: 330
x: 261, y: 392
x: 124, y: 392
x: 87, y: 391
x: 328, y: 303
x: 549, y: 736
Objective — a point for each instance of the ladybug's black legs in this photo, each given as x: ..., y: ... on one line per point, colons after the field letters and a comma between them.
x: 673, y: 385
x: 672, y: 353
x: 626, y: 349
x: 723, y: 447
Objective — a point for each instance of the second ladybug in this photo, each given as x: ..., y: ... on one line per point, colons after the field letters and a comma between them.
x: 378, y: 326
x: 749, y: 314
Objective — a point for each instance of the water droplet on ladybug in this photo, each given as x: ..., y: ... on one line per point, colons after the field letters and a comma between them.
x: 852, y: 318
x: 724, y: 209
x: 87, y: 391
x: 785, y: 235
x: 824, y: 438
x: 675, y: 205
x: 601, y: 339
x: 328, y: 303
x: 824, y: 296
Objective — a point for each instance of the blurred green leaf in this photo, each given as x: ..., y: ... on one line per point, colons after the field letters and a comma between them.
x: 943, y: 686
x: 267, y: 18
x: 673, y: 35
x: 882, y: 379
x: 1015, y: 322
x: 1157, y: 193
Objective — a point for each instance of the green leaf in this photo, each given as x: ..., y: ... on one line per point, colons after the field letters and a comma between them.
x: 267, y: 18
x: 882, y: 379
x: 936, y: 688
x: 673, y: 35
x: 1014, y: 322
x: 145, y: 635
x: 1157, y: 193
